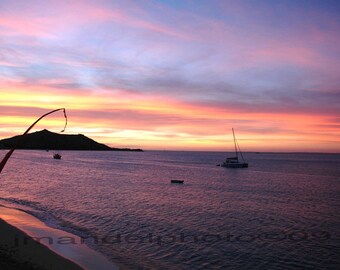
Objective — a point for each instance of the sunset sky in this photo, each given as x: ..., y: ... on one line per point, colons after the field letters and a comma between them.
x: 175, y: 75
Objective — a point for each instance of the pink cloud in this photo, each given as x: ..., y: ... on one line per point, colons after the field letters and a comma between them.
x: 301, y: 56
x: 21, y: 25
x: 67, y: 15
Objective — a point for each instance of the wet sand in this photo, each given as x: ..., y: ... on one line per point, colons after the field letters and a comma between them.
x: 19, y: 250
x: 30, y: 256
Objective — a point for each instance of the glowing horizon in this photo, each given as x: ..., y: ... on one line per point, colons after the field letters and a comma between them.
x: 173, y: 75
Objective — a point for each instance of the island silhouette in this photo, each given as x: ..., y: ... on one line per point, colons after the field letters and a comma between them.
x: 45, y: 140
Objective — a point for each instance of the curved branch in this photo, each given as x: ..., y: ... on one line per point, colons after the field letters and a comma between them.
x: 7, y: 156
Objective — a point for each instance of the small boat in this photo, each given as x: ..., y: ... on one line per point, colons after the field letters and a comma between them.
x: 57, y: 156
x: 177, y: 181
x: 237, y: 161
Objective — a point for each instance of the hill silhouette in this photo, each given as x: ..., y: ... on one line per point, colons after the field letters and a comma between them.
x: 45, y: 139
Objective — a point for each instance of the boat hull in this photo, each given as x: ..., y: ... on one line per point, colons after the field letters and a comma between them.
x: 177, y: 181
x: 57, y: 156
x: 235, y: 165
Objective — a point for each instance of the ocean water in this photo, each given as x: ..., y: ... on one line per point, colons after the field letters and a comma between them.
x: 280, y: 213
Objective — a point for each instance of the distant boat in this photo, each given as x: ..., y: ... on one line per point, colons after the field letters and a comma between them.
x: 57, y: 156
x: 237, y: 161
x: 177, y: 181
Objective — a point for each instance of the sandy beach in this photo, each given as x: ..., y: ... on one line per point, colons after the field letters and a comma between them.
x: 30, y: 256
x: 28, y: 243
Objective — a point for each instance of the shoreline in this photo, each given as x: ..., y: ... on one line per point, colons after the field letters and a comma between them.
x: 28, y: 243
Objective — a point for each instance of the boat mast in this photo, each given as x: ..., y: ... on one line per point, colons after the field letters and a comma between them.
x: 235, y: 143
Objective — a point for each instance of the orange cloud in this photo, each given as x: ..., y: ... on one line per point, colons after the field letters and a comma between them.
x: 155, y: 122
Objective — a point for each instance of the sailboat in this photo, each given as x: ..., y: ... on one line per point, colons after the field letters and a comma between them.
x: 237, y: 161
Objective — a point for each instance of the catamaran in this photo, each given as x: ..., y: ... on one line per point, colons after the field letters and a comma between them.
x: 237, y: 161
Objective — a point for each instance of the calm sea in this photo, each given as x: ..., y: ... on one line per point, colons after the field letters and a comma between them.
x: 280, y: 213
